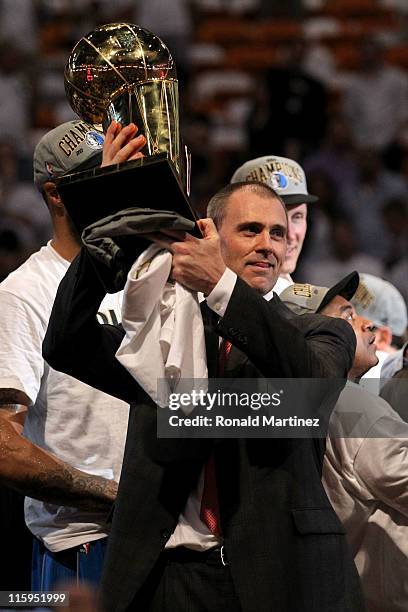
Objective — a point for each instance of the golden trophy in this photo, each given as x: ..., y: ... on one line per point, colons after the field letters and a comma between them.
x: 124, y: 72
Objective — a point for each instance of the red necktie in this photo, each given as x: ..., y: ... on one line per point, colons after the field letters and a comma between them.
x: 225, y: 348
x: 209, y: 512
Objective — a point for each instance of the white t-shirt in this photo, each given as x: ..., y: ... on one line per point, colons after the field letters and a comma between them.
x: 82, y: 426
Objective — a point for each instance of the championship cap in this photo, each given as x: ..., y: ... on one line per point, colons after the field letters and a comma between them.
x: 381, y: 302
x: 70, y: 147
x: 305, y: 298
x: 284, y: 175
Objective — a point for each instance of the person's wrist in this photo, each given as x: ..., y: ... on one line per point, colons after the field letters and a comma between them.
x: 214, y: 281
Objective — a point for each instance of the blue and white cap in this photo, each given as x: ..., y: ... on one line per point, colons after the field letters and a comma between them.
x: 284, y: 175
x: 70, y: 147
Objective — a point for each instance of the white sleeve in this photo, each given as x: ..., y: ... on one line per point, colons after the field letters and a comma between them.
x: 219, y: 297
x: 382, y: 462
x: 21, y: 334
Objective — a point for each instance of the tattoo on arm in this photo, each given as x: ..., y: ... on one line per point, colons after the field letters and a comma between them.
x: 39, y: 474
x: 67, y: 486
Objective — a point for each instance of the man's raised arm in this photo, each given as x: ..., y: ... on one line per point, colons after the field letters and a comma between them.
x: 76, y: 344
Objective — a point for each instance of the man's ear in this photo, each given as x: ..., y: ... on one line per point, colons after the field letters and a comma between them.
x: 51, y: 195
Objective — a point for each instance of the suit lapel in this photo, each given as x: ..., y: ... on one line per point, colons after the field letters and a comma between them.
x: 235, y: 362
x: 236, y: 358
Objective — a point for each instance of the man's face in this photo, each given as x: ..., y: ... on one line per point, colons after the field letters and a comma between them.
x: 365, y: 357
x: 253, y: 238
x: 297, y: 226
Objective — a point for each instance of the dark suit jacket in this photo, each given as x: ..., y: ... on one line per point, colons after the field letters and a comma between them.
x: 286, y: 547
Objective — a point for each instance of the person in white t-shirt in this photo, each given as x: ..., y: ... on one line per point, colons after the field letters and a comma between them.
x: 68, y: 460
x: 288, y: 180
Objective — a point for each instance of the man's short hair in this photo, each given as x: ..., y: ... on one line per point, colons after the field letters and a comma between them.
x: 216, y: 205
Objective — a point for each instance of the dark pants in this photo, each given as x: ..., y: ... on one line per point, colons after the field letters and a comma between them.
x: 188, y: 581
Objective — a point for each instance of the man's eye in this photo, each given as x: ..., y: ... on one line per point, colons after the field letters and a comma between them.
x: 250, y: 231
x: 278, y: 233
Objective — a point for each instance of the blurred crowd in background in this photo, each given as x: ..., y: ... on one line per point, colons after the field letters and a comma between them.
x: 324, y: 82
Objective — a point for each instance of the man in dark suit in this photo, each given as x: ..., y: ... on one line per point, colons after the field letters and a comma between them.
x: 276, y: 544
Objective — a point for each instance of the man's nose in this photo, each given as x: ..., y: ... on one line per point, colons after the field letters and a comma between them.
x: 264, y: 242
x: 367, y: 325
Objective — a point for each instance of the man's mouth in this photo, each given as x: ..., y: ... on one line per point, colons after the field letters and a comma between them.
x: 262, y: 265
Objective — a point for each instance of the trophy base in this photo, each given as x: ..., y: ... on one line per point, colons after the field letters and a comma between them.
x: 148, y: 182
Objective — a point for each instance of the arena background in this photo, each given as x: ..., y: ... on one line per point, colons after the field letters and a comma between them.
x: 323, y: 82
